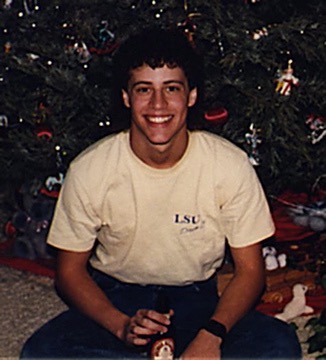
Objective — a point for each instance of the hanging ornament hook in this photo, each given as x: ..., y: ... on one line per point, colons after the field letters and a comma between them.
x: 30, y: 6
x: 185, y: 5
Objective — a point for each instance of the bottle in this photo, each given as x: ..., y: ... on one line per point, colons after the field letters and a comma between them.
x: 162, y: 344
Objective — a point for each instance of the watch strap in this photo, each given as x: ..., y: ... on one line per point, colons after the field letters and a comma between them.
x: 216, y: 328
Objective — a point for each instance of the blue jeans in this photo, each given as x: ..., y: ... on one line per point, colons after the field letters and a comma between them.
x: 72, y: 335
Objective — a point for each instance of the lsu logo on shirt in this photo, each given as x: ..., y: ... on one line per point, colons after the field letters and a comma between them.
x: 190, y: 223
x: 186, y: 219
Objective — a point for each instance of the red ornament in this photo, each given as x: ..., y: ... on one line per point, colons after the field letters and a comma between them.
x: 43, y: 132
x: 108, y: 49
x: 9, y: 229
x: 54, y: 194
x: 217, y: 116
x: 189, y: 28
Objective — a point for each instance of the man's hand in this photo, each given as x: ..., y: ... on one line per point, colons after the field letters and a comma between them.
x: 204, y: 346
x: 143, y: 325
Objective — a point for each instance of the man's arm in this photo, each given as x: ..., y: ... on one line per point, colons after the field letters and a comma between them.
x: 77, y: 287
x: 238, y: 297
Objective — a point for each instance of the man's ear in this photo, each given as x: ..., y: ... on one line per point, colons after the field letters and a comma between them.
x: 192, y: 98
x: 125, y: 98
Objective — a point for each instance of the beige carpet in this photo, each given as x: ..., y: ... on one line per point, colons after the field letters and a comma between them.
x: 27, y: 301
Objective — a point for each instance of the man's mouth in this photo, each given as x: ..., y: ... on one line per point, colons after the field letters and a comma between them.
x: 159, y: 119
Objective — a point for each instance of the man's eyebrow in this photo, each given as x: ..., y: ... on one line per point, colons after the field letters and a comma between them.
x: 174, y: 81
x: 167, y: 82
x: 141, y: 83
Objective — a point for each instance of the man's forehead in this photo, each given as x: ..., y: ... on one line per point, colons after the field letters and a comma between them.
x: 164, y: 73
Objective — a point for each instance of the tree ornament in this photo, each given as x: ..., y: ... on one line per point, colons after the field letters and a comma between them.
x: 81, y: 50
x: 104, y: 34
x: 317, y: 224
x: 7, y: 47
x: 7, y: 123
x: 31, y: 57
x: 30, y: 6
x: 217, y: 116
x: 312, y: 215
x: 3, y: 120
x: 9, y: 229
x: 54, y: 183
x: 7, y: 4
x: 317, y: 126
x: 188, y: 27
x: 253, y: 139
x: 42, y: 110
x: 106, y: 43
x: 32, y: 221
x: 258, y: 34
x: 286, y: 80
x: 40, y: 118
x: 43, y: 132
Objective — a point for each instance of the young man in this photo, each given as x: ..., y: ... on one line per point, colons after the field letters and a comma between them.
x: 149, y: 210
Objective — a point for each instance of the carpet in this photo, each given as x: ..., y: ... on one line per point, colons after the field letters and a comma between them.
x: 27, y: 302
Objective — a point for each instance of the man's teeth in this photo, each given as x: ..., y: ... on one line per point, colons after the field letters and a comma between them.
x: 159, y: 119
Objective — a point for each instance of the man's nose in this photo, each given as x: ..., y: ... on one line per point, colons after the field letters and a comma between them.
x: 158, y: 100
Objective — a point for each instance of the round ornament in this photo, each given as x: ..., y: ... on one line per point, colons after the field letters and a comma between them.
x: 317, y: 224
x: 217, y: 116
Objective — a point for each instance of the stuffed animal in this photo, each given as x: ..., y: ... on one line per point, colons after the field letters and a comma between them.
x: 272, y: 259
x: 32, y: 222
x: 297, y: 306
x: 312, y: 216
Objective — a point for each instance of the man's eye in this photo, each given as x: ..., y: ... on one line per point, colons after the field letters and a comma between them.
x: 142, y: 90
x: 173, y: 88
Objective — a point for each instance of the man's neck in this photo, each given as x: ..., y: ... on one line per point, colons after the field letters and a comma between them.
x: 160, y: 156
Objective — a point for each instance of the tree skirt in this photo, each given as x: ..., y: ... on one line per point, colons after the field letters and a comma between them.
x: 36, y: 267
x: 43, y: 267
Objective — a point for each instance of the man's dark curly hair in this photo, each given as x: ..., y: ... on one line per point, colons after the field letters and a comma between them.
x: 158, y: 47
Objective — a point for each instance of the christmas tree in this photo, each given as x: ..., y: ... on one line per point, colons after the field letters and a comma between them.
x: 264, y: 80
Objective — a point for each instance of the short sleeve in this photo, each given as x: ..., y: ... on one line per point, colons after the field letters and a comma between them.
x: 75, y: 223
x: 245, y: 214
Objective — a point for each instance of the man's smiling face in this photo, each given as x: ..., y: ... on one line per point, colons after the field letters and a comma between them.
x: 159, y: 99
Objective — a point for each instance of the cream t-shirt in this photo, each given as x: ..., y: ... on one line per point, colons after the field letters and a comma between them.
x: 160, y: 226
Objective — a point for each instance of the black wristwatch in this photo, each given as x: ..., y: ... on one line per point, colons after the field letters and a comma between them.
x: 216, y: 328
